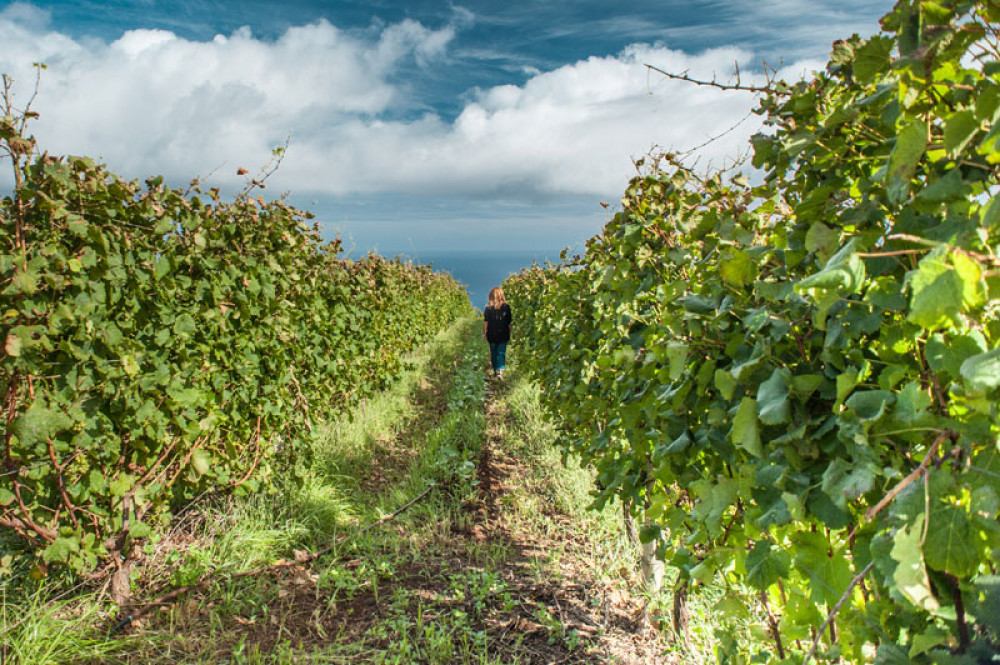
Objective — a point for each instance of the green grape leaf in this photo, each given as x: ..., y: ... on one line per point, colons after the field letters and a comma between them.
x: 25, y: 281
x: 185, y: 397
x: 738, y: 270
x: 959, y: 130
x: 947, y: 353
x: 989, y: 613
x: 121, y: 485
x: 61, y: 549
x: 744, y: 432
x: 845, y: 480
x: 937, y: 292
x: 725, y: 383
x: 889, y: 653
x: 985, y: 468
x: 872, y: 58
x: 677, y: 353
x: 870, y: 404
x: 772, y: 398
x: 826, y: 510
x: 39, y: 423
x: 927, y: 640
x: 973, y: 288
x: 201, y: 461
x: 981, y: 372
x: 950, y: 548
x: 911, y: 402
x: 765, y: 565
x: 161, y: 268
x: 950, y: 187
x: 829, y: 573
x: 842, y: 275
x: 990, y: 213
x: 822, y: 240
x: 773, y: 508
x: 140, y: 530
x: 910, y: 145
x: 184, y: 325
x: 910, y: 575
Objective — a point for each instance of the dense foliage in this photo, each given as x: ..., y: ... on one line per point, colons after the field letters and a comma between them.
x: 157, y: 344
x: 796, y: 384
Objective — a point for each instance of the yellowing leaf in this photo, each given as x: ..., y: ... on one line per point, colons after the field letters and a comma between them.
x: 201, y: 461
x: 12, y: 346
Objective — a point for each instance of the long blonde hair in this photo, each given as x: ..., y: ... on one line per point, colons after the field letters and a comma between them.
x: 496, y: 299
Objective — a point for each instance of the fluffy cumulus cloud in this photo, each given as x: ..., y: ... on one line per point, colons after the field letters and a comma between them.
x: 151, y: 102
x: 571, y: 130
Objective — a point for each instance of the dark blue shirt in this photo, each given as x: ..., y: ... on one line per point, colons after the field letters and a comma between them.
x: 497, y: 323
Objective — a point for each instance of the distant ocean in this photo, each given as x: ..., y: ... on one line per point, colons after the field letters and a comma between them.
x: 480, y: 271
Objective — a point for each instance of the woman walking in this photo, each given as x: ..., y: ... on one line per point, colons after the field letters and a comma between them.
x: 496, y: 329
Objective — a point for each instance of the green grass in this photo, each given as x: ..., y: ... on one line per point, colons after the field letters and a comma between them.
x: 36, y: 628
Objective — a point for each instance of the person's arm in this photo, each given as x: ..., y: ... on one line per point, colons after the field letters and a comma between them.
x: 484, y: 329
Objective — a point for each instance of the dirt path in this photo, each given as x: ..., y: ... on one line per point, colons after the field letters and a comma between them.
x: 568, y: 615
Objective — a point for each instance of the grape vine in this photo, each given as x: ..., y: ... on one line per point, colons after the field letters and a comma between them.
x: 795, y: 384
x: 158, y: 344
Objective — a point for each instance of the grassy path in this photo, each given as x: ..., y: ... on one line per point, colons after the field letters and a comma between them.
x: 493, y: 558
x: 569, y: 568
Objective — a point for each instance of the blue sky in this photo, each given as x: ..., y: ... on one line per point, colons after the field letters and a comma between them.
x: 412, y: 126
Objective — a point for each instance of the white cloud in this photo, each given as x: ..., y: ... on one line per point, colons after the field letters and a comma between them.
x: 571, y: 130
x: 152, y: 102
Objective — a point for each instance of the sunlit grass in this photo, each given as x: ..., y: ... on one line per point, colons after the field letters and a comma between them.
x: 37, y: 630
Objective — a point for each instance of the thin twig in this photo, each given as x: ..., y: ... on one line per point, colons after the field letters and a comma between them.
x: 716, y: 137
x: 899, y: 252
x: 397, y: 512
x: 715, y: 84
x: 978, y: 256
x: 836, y: 608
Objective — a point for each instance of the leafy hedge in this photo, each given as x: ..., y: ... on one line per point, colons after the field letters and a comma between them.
x: 156, y: 344
x: 796, y: 383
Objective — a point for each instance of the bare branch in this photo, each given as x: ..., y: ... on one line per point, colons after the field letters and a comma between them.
x: 768, y: 89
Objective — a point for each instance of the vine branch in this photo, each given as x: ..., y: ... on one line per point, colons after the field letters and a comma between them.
x: 836, y: 608
x: 916, y: 473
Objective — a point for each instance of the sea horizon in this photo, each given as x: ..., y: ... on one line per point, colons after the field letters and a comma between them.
x: 479, y: 270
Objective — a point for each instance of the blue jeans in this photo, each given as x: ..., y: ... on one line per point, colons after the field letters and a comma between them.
x: 498, y: 355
